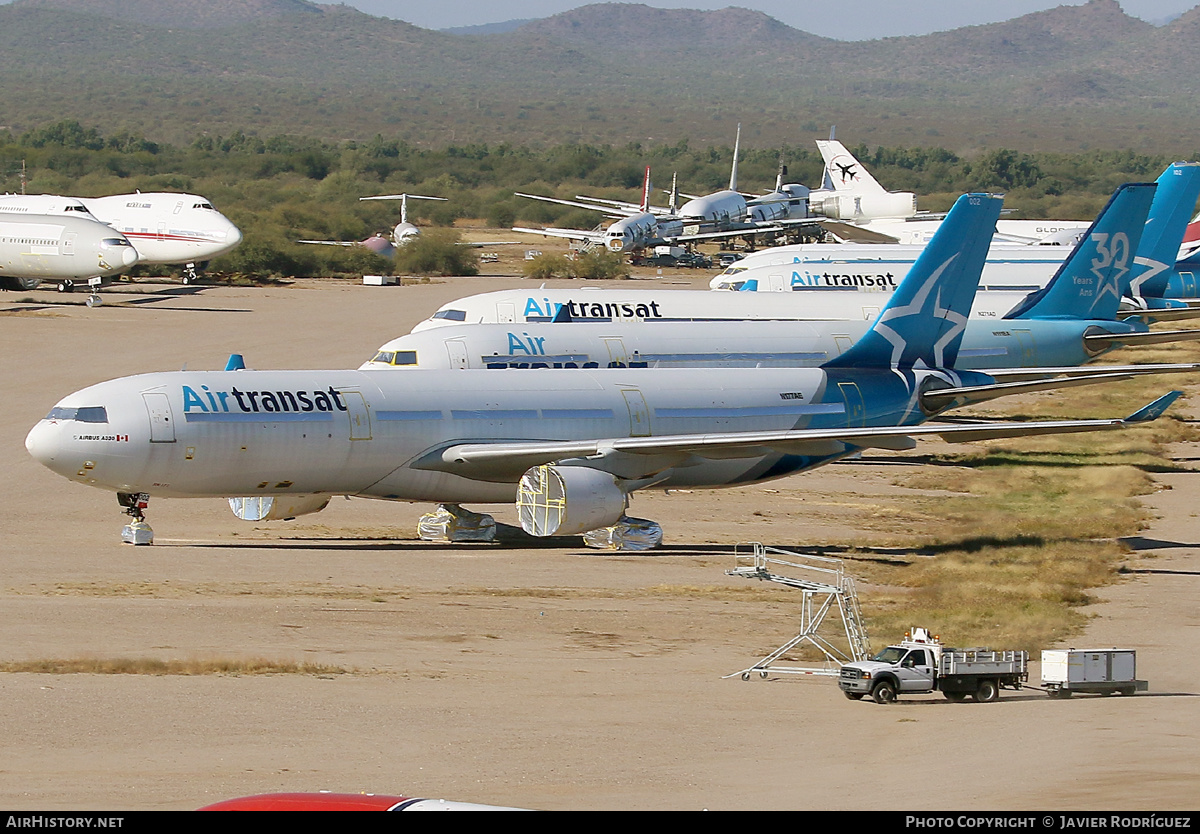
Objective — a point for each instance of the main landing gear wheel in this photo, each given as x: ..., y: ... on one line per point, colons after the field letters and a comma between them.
x: 137, y: 531
x: 66, y: 286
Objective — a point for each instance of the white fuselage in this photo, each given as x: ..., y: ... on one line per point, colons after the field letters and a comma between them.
x: 636, y: 306
x: 61, y: 247
x: 727, y: 344
x: 168, y: 228
x: 379, y: 434
x: 879, y: 267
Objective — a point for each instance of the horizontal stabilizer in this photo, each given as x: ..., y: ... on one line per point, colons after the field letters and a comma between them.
x: 971, y: 394
x: 1155, y: 337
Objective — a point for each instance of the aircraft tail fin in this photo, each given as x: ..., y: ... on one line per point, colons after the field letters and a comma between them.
x: 923, y: 324
x: 845, y: 173
x: 1090, y: 281
x: 737, y: 146
x: 236, y: 362
x: 674, y: 205
x: 646, y: 191
x: 1173, y: 206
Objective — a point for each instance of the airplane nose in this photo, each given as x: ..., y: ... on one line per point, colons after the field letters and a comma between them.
x: 42, y: 443
x: 234, y: 236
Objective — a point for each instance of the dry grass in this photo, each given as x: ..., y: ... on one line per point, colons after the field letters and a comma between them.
x: 151, y: 666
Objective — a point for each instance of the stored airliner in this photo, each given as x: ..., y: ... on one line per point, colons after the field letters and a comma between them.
x: 1072, y: 322
x: 65, y: 248
x: 857, y: 197
x: 570, y: 445
x: 166, y: 228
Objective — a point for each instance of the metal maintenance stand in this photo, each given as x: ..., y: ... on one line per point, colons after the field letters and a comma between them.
x: 824, y: 585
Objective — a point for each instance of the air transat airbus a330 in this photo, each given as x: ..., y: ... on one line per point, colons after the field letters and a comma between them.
x: 569, y: 445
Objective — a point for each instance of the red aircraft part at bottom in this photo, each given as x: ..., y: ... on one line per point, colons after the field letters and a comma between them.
x: 309, y: 802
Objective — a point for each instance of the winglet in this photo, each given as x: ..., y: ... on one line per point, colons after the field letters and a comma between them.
x: 1155, y: 409
x: 236, y: 362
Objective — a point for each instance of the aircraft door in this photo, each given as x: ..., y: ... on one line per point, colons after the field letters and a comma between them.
x: 1188, y: 279
x: 639, y: 413
x: 69, y: 243
x: 162, y: 230
x: 856, y: 409
x: 360, y: 417
x: 506, y: 312
x: 457, y: 350
x: 162, y: 424
x: 617, y: 358
x: 1028, y: 348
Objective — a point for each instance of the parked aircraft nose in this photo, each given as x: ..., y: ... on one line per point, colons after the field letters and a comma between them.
x: 44, y: 442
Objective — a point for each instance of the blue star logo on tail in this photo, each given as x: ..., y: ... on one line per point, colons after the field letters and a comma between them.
x: 889, y: 326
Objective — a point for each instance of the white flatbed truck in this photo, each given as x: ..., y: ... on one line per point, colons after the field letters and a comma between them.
x: 920, y: 663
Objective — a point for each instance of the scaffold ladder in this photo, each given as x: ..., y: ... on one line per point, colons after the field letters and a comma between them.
x: 824, y: 585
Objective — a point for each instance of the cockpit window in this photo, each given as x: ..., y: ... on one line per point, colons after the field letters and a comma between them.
x: 86, y: 414
x: 451, y: 315
x: 204, y: 206
x: 115, y: 241
x: 396, y: 357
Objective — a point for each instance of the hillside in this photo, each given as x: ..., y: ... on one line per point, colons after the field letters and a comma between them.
x: 1068, y: 79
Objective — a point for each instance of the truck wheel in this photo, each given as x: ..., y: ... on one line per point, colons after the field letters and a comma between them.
x: 955, y: 696
x: 884, y: 692
x: 853, y: 696
x: 987, y: 692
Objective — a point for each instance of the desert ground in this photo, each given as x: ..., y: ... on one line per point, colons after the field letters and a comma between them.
x: 551, y: 677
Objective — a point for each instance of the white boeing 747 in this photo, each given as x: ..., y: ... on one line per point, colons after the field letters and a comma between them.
x: 570, y: 445
x: 164, y: 227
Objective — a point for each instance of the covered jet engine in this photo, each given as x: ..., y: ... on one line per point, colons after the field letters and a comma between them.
x: 864, y: 206
x: 567, y: 500
x: 277, y: 507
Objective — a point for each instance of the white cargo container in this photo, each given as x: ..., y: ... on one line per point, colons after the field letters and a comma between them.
x: 1105, y: 671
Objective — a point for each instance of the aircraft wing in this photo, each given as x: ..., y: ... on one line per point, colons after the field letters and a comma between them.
x: 568, y: 234
x: 607, y: 211
x: 631, y: 208
x: 503, y: 460
x: 855, y: 234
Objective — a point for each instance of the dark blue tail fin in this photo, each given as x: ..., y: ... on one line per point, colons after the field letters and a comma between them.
x: 1089, y: 283
x: 1173, y: 206
x: 922, y: 325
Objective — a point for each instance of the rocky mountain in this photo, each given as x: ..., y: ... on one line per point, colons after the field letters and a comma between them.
x: 1070, y: 77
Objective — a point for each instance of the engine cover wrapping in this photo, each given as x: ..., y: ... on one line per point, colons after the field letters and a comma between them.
x: 566, y: 500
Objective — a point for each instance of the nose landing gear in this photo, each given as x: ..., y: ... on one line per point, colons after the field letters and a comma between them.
x: 136, y: 531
